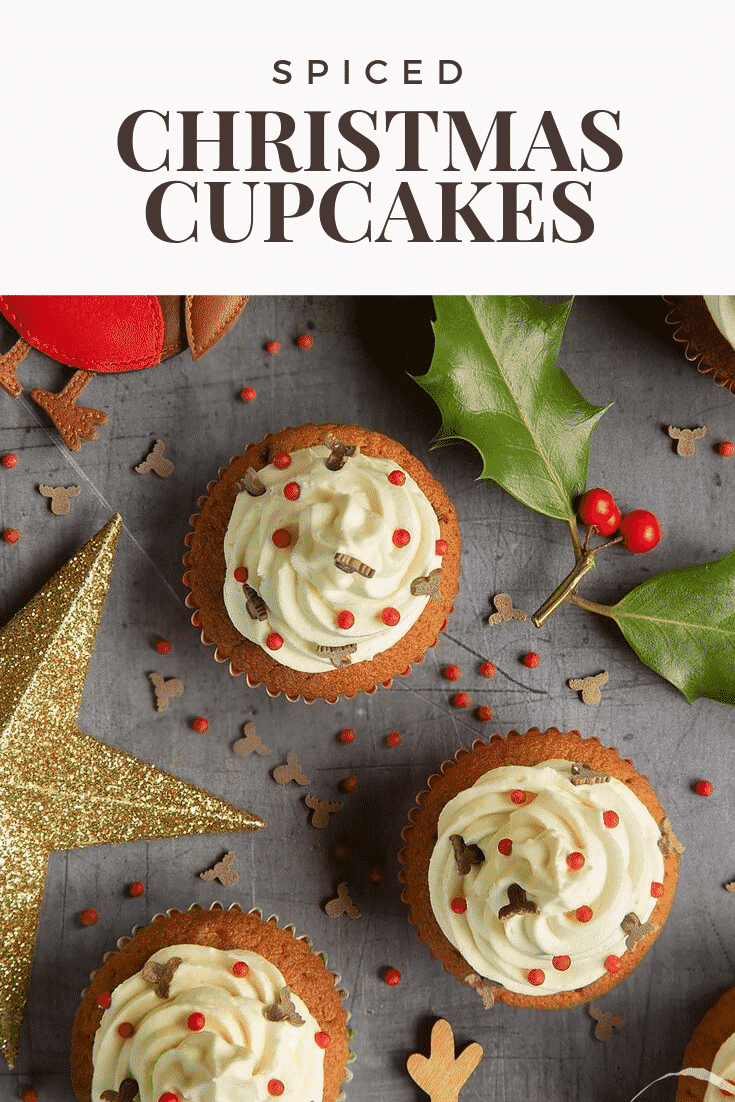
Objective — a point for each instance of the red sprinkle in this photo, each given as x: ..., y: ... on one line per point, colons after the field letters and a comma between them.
x: 136, y: 889
x: 341, y: 852
x: 30, y: 1094
x: 440, y: 547
x: 323, y: 1039
x: 704, y: 788
x: 292, y: 491
x: 488, y: 669
x: 536, y: 976
x: 10, y: 460
x: 304, y: 340
x: 452, y: 673
x: 401, y: 537
x: 484, y: 712
x: 275, y: 1086
x: 240, y: 969
x: 163, y: 646
x: 126, y: 1029
x: 375, y: 874
x: 392, y: 976
x: 531, y: 660
x: 273, y: 347
x: 196, y: 1021
x: 241, y: 574
x: 248, y: 394
x: 657, y: 889
x: 397, y: 478
x: 200, y: 725
x: 584, y: 914
x: 349, y: 784
x: 89, y: 916
x: 345, y: 619
x: 726, y: 448
x: 518, y: 796
x: 575, y: 860
x: 348, y: 735
x: 104, y: 999
x: 169, y: 1096
x: 282, y: 538
x: 393, y: 739
x: 11, y: 535
x: 274, y: 641
x: 613, y: 963
x: 610, y: 818
x: 561, y: 963
x: 505, y: 846
x: 390, y: 616
x: 459, y: 905
x: 461, y: 700
x: 282, y: 460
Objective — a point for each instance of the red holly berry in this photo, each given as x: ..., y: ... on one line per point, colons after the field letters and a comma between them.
x: 275, y: 1086
x: 440, y: 547
x: 163, y: 646
x: 505, y: 846
x: 282, y: 460
x: 347, y: 736
x: 282, y: 538
x: 349, y: 784
x: 461, y: 700
x: 304, y: 340
x: 104, y: 999
x: 458, y: 905
x: 488, y: 669
x: 196, y: 1021
x: 11, y: 535
x: 9, y: 461
x: 536, y: 976
x: 657, y: 889
x: 136, y: 889
x: 397, y: 478
x: 394, y: 739
x: 704, y: 788
x: 273, y: 347
x: 392, y: 977
x: 613, y: 963
x: 89, y: 916
x: 575, y: 860
x: 531, y: 660
x: 598, y: 507
x: 401, y: 537
x: 274, y: 641
x: 248, y: 394
x: 561, y: 963
x: 452, y: 673
x: 640, y: 530
x: 518, y: 796
x: 726, y: 449
x: 323, y: 1039
x: 390, y: 616
x: 484, y: 712
x: 169, y: 1096
x: 584, y: 914
x: 200, y: 725
x: 241, y: 574
x: 292, y: 491
x: 126, y: 1029
x: 345, y: 619
x: 240, y: 969
x: 610, y: 819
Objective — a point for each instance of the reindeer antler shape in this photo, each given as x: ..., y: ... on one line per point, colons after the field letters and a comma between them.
x: 250, y: 743
x: 322, y: 809
x: 420, y: 587
x: 685, y: 439
x: 339, y: 453
x: 60, y: 497
x: 160, y: 975
x: 605, y: 1022
x: 504, y: 605
x: 284, y: 1010
x: 165, y: 690
x: 343, y: 904
x: 442, y: 1075
x: 668, y: 842
x: 291, y: 771
x: 589, y: 687
x: 635, y: 929
x: 223, y: 870
x: 156, y: 461
x: 464, y: 855
x: 126, y: 1092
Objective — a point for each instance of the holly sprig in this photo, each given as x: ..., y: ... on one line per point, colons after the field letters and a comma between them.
x: 496, y: 379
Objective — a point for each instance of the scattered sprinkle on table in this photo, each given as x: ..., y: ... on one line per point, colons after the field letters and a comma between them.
x: 11, y: 535
x: 392, y: 977
x: 726, y: 449
x: 531, y: 660
x: 304, y: 340
x: 461, y: 700
x: 347, y: 736
x: 89, y: 916
x: 704, y: 788
x: 394, y: 739
x: 163, y: 646
x: 273, y: 347
x: 136, y: 889
x: 10, y: 461
x: 248, y: 394
x: 484, y: 712
x: 200, y: 725
x: 452, y: 673
x: 488, y: 669
x: 349, y: 784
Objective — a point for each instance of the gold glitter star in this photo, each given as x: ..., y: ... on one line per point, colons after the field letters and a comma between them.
x: 61, y: 788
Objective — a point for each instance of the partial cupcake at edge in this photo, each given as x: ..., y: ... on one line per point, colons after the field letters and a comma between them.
x: 323, y: 562
x: 539, y: 868
x: 705, y: 325
x: 712, y: 1047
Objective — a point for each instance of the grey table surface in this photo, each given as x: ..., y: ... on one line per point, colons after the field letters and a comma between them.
x: 614, y: 349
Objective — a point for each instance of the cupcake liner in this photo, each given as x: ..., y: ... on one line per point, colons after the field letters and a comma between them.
x: 296, y: 973
x: 713, y: 1030
x: 247, y: 658
x: 704, y: 344
x: 461, y: 772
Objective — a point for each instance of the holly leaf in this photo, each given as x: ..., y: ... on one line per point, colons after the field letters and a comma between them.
x: 682, y: 625
x: 498, y: 385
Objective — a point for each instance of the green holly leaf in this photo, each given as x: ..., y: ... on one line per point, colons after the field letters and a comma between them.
x: 498, y: 385
x: 682, y: 624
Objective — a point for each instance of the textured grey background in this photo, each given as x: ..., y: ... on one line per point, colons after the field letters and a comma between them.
x: 614, y: 349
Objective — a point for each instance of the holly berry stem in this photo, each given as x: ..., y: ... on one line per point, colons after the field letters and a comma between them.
x: 590, y: 606
x: 574, y: 533
x: 565, y: 591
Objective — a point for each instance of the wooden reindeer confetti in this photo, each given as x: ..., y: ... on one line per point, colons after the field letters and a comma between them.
x: 251, y: 484
x: 250, y: 743
x: 321, y: 810
x: 465, y: 856
x: 441, y: 1075
x: 351, y: 565
x: 343, y: 904
x: 127, y: 1092
x: 605, y: 1022
x: 589, y: 687
x: 156, y: 461
x: 668, y: 842
x: 291, y: 771
x: 518, y: 904
x: 60, y: 497
x: 160, y: 975
x: 730, y: 886
x: 338, y: 656
x: 582, y: 774
x: 635, y: 929
x: 339, y: 452
x: 420, y: 587
x: 165, y: 689
x: 505, y: 611
x: 485, y: 989
x: 255, y: 606
x: 284, y: 1010
x: 685, y: 439
x: 223, y: 870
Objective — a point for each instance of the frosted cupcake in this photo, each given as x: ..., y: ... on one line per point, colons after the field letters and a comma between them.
x: 324, y: 561
x: 211, y: 1006
x: 712, y: 1046
x: 539, y: 868
x: 705, y: 324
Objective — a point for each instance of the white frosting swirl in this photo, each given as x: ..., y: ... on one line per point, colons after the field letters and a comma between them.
x: 724, y: 1066
x: 620, y: 865
x: 722, y: 309
x: 353, y: 511
x: 232, y: 1058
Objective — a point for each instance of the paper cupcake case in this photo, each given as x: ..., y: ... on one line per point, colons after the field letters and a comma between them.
x: 116, y: 968
x: 461, y: 772
x: 704, y: 345
x: 204, y: 577
x: 714, y: 1029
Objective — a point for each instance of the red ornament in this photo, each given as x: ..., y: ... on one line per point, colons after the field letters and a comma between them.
x: 610, y: 819
x: 196, y: 1021
x: 561, y: 963
x: 704, y: 788
x: 349, y: 784
x: 531, y: 660
x: 275, y: 1086
x: 273, y: 347
x: 240, y: 969
x: 390, y: 616
x: 397, y: 478
x: 104, y: 999
x: 726, y: 449
x: 292, y: 491
x: 598, y: 507
x: 584, y: 914
x: 657, y: 889
x: 440, y: 547
x: 241, y: 574
x: 282, y: 538
x: 9, y: 461
x: 136, y: 889
x: 274, y: 641
x: 488, y: 669
x: 452, y: 673
x: 345, y: 619
x: 575, y: 860
x: 282, y: 460
x: 459, y: 905
x: 461, y: 700
x: 401, y: 537
x: 248, y: 394
x: 640, y: 530
x: 200, y: 725
x: 126, y: 1029
x: 518, y: 796
x: 304, y: 340
x: 11, y: 535
x: 89, y: 917
x: 392, y: 977
x: 323, y: 1039
x: 347, y: 736
x: 393, y: 739
x: 613, y: 963
x: 536, y: 976
x: 505, y: 846
x: 484, y: 712
x: 163, y: 646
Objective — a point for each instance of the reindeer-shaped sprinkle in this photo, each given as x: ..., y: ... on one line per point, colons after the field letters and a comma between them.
x: 60, y: 497
x: 292, y: 771
x: 518, y: 903
x: 635, y: 929
x: 442, y: 1075
x: 339, y: 453
x: 485, y: 989
x: 250, y: 743
x: 420, y: 587
x: 255, y: 606
x: 589, y: 687
x: 251, y: 484
x: 165, y: 689
x: 284, y: 1010
x: 343, y: 904
x: 505, y: 610
x: 160, y: 975
x: 605, y: 1022
x: 155, y: 461
x: 338, y: 656
x: 127, y: 1091
x: 351, y: 565
x: 730, y: 886
x: 582, y: 774
x: 685, y: 439
x: 465, y: 856
x: 321, y: 810
x: 223, y: 870
x: 668, y: 842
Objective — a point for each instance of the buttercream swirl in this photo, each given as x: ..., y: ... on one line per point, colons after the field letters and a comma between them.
x: 621, y: 862
x: 722, y: 309
x: 232, y: 1058
x: 354, y: 511
x: 724, y: 1066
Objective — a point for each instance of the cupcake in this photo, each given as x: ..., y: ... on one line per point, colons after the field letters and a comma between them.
x: 539, y: 868
x: 705, y: 324
x: 211, y: 1006
x: 712, y: 1047
x: 323, y: 562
